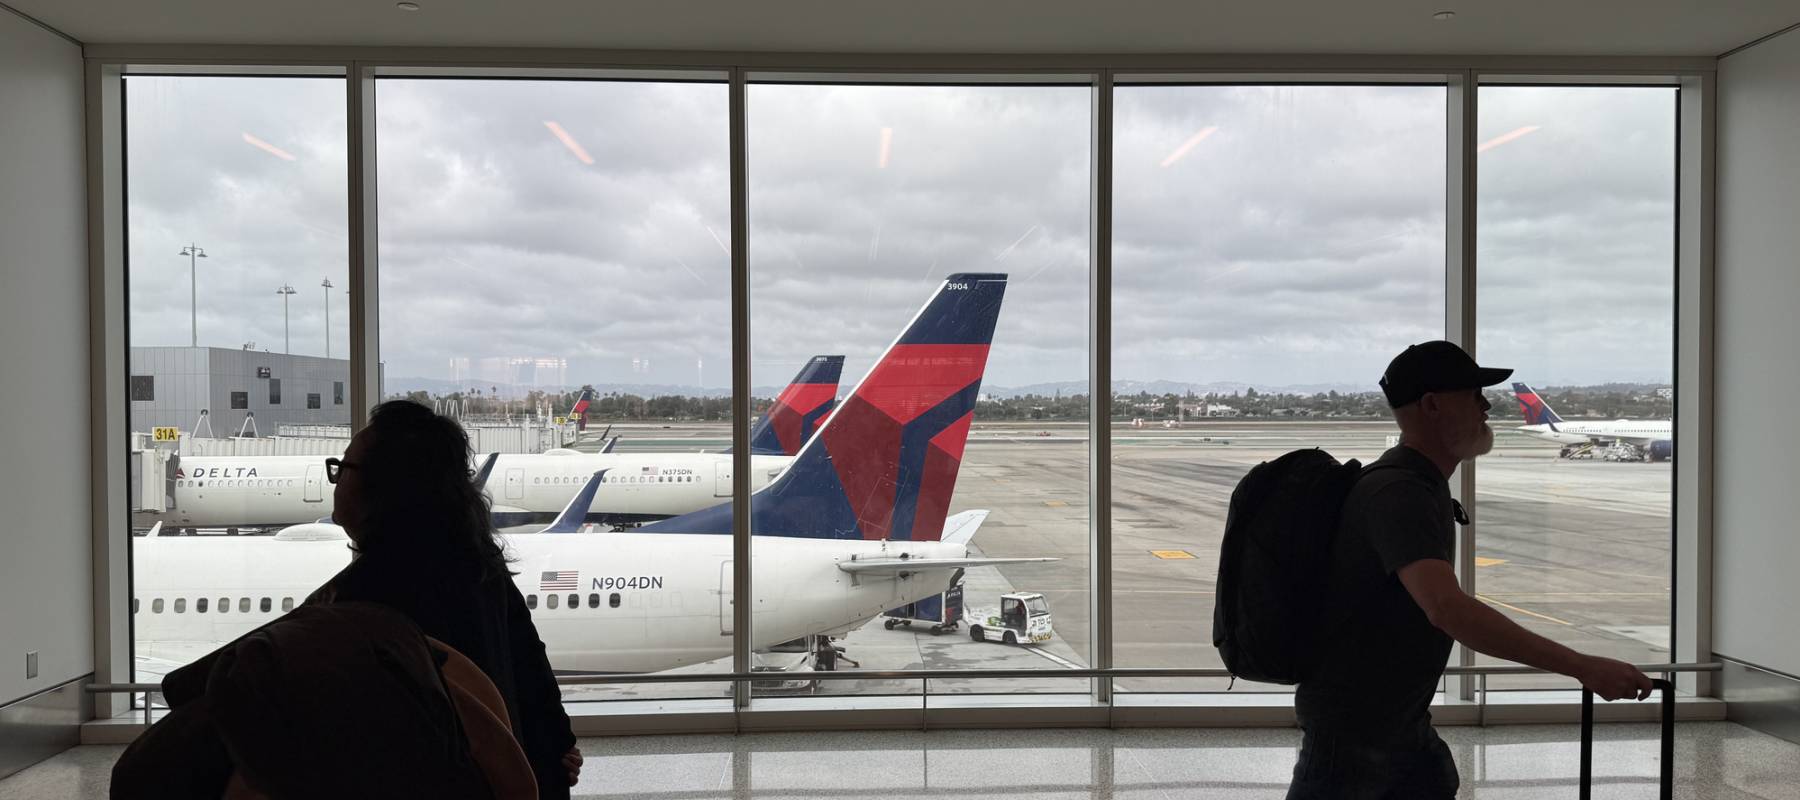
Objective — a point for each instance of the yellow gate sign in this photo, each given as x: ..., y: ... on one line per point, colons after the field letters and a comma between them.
x: 165, y: 434
x: 562, y: 420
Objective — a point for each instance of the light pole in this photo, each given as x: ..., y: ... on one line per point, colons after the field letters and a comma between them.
x: 327, y: 284
x: 193, y: 251
x: 287, y: 342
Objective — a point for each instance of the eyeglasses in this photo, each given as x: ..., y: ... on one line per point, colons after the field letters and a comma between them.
x: 335, y: 467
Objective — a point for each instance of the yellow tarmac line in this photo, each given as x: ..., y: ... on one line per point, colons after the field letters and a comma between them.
x: 1510, y: 607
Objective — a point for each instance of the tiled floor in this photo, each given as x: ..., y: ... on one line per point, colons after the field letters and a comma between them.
x: 1713, y: 761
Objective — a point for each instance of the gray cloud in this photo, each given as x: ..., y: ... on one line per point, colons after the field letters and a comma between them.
x: 1301, y: 241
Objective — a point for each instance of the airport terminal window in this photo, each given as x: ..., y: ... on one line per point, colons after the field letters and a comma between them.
x: 236, y: 189
x: 312, y: 401
x: 561, y: 200
x: 337, y: 393
x: 1274, y: 247
x: 863, y: 202
x: 1576, y: 208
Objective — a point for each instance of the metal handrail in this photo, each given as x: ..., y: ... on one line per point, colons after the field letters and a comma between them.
x: 1116, y: 673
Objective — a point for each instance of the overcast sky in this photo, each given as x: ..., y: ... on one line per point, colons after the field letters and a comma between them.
x: 1271, y: 235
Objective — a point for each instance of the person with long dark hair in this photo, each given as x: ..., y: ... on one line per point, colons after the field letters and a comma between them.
x: 425, y: 546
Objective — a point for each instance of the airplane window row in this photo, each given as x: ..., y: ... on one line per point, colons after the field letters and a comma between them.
x: 553, y: 600
x: 632, y: 479
x: 263, y: 483
x: 201, y: 604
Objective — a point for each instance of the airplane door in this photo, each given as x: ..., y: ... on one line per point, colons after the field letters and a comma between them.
x: 315, y: 484
x: 515, y: 484
x: 722, y: 479
x: 725, y: 598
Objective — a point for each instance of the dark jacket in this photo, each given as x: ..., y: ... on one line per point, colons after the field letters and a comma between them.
x: 339, y: 700
x: 485, y: 620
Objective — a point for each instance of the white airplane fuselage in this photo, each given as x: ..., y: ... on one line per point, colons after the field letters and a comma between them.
x: 644, y: 602
x: 250, y: 491
x: 1639, y: 432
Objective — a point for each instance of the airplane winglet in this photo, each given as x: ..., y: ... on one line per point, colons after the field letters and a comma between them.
x: 487, y: 468
x: 610, y: 444
x: 155, y: 530
x: 575, y: 513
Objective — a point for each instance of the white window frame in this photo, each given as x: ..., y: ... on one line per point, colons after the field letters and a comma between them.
x: 360, y: 67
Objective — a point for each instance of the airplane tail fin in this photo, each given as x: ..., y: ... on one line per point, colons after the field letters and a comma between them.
x: 884, y: 463
x: 581, y: 403
x: 799, y: 408
x: 1533, y: 407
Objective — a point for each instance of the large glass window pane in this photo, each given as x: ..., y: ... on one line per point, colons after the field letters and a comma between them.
x: 236, y: 209
x: 1576, y: 290
x: 1274, y: 247
x: 555, y: 273
x: 868, y: 204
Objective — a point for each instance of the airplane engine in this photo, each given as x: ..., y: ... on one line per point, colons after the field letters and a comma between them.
x: 1662, y: 450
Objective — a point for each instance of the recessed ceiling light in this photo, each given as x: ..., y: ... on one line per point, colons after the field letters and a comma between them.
x: 404, y: 6
x: 1441, y: 15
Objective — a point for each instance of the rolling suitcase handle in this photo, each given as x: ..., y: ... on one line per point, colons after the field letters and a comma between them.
x: 1668, y: 740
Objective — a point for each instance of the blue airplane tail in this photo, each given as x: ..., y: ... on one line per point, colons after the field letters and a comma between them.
x: 799, y: 409
x: 884, y: 463
x: 1533, y: 407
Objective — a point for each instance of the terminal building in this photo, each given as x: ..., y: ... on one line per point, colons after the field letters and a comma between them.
x: 214, y: 392
x: 527, y: 216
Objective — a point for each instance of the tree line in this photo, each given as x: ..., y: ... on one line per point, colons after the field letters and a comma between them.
x: 1608, y: 401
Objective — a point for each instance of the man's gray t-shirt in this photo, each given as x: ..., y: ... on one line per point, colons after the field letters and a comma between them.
x: 1382, y: 656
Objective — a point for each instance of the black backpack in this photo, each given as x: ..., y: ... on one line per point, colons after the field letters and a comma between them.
x: 1274, y: 562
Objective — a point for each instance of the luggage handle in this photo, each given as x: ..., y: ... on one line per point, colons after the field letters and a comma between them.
x: 1667, y: 777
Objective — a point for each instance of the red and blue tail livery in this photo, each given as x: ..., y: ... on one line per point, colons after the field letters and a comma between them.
x: 799, y: 409
x: 1533, y: 407
x: 884, y: 463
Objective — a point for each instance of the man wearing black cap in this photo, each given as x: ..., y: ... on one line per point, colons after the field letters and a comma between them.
x: 1394, y: 604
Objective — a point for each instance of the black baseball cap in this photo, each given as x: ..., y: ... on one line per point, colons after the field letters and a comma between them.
x: 1434, y: 367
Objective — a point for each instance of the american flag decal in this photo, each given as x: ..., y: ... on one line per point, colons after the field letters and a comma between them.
x: 560, y: 581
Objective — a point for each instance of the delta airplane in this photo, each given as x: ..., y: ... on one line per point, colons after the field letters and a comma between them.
x: 1653, y: 440
x: 857, y: 525
x: 641, y: 487
x: 253, y: 491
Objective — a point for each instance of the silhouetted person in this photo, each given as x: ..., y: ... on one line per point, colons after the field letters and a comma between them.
x: 1394, y: 604
x: 425, y: 545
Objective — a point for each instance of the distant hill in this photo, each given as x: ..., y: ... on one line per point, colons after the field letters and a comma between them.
x: 1066, y: 388
x: 434, y: 386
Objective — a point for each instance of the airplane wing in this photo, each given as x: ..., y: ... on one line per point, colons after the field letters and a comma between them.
x: 575, y: 513
x: 900, y: 566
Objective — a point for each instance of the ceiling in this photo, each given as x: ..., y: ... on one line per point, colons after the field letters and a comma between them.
x: 1519, y: 27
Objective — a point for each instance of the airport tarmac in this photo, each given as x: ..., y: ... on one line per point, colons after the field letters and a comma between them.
x: 1578, y: 551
